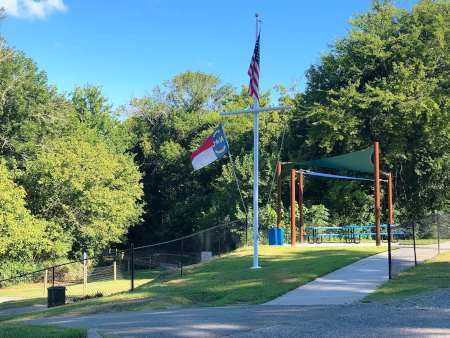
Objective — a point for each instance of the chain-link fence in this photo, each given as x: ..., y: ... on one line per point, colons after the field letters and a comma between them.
x: 194, y: 248
x: 66, y: 283
x: 115, y: 271
x: 424, y: 239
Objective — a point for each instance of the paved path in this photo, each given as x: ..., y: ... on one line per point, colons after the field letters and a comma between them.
x: 343, y: 286
x: 355, y: 281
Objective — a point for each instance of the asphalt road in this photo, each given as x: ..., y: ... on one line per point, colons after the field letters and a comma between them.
x: 356, y: 320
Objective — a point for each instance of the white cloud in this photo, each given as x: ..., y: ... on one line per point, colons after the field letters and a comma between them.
x: 31, y: 9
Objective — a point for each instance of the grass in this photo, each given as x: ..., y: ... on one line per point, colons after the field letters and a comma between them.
x: 16, y: 330
x: 420, y: 241
x: 35, y: 294
x: 221, y: 281
x: 423, y: 278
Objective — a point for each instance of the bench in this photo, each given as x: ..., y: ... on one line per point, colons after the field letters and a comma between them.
x: 373, y: 234
x: 314, y: 237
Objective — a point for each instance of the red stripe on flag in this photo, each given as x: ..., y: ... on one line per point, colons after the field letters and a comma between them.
x: 205, y: 145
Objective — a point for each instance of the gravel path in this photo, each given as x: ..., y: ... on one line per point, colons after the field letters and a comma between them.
x: 439, y: 299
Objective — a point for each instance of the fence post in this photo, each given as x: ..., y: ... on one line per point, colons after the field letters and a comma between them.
x: 132, y: 267
x: 219, y: 240
x: 45, y: 280
x: 84, y: 276
x: 53, y: 283
x: 389, y: 249
x: 414, y: 242
x: 181, y: 260
x: 246, y: 230
x: 115, y: 271
x: 438, y: 234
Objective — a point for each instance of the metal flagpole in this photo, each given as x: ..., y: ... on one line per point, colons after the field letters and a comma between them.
x: 255, y: 173
x: 256, y: 112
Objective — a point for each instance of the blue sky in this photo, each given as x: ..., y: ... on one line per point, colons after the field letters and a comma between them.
x: 130, y: 46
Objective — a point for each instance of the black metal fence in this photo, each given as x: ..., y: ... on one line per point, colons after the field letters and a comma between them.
x: 117, y: 270
x: 424, y: 239
x: 124, y: 270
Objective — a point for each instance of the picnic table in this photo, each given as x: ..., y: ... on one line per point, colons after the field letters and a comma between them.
x: 349, y: 234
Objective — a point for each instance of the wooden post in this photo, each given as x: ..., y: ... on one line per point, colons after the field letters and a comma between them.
x: 115, y: 271
x: 279, y: 195
x: 84, y: 276
x: 300, y: 205
x: 45, y: 281
x: 293, y: 207
x: 377, y: 195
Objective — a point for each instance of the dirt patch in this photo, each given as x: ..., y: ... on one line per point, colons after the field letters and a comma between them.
x: 290, y: 280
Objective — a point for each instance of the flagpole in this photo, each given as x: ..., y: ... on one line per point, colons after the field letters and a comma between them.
x: 255, y: 172
x: 253, y: 72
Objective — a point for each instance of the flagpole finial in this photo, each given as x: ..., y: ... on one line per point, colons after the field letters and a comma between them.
x: 256, y: 15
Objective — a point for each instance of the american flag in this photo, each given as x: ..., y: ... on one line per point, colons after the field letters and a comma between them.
x: 253, y: 72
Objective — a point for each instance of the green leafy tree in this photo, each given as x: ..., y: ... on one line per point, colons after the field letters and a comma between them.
x: 88, y: 192
x: 167, y: 126
x: 317, y: 216
x: 32, y: 114
x: 22, y: 235
x: 192, y: 92
x: 386, y: 81
x: 94, y: 112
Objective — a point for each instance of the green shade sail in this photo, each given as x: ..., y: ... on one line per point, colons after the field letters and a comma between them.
x: 360, y: 160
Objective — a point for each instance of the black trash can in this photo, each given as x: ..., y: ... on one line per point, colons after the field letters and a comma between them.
x: 56, y: 295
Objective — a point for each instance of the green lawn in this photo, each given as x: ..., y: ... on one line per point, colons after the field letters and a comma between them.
x: 421, y: 241
x: 220, y: 281
x: 423, y: 278
x: 35, y: 294
x: 16, y: 330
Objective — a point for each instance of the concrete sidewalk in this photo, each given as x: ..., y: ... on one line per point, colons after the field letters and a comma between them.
x: 343, y: 286
x: 355, y: 281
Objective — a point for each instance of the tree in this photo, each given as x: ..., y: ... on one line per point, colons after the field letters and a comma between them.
x: 87, y: 191
x: 386, y: 81
x: 94, y: 112
x: 22, y: 235
x: 32, y: 114
x: 167, y: 127
x: 192, y: 92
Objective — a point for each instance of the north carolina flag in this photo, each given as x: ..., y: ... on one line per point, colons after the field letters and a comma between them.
x: 215, y: 146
